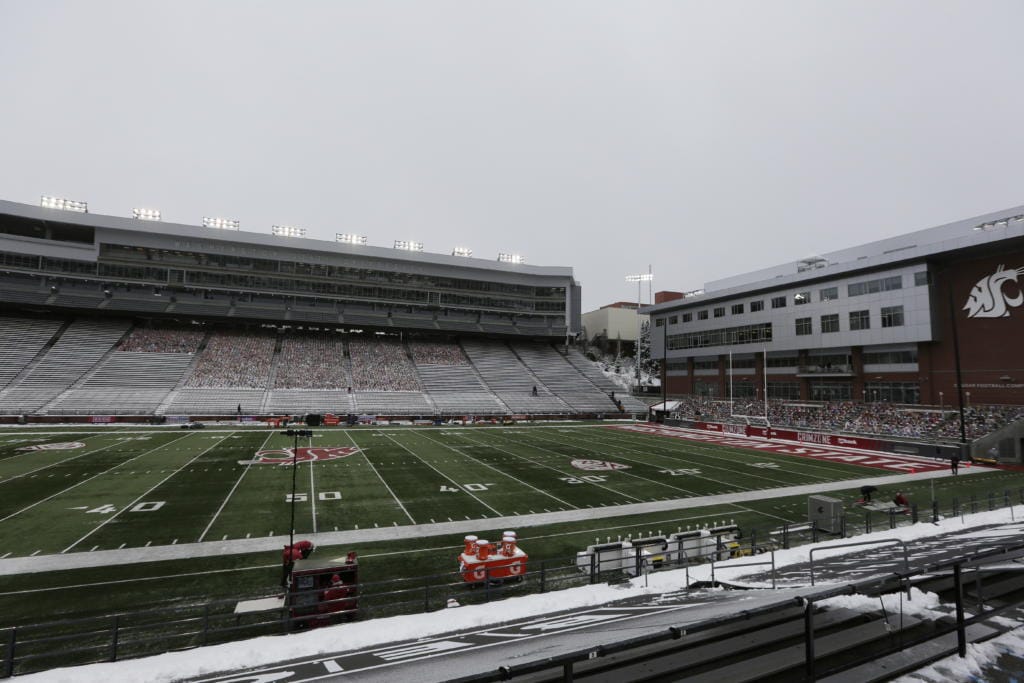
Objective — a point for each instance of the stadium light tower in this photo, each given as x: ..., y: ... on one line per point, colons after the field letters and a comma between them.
x: 408, y: 245
x: 221, y: 223
x: 287, y: 231
x: 639, y: 280
x: 48, y: 202
x: 511, y: 258
x: 348, y: 238
x: 462, y: 251
x: 146, y: 214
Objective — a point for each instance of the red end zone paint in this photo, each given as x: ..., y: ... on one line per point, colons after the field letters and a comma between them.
x: 831, y: 451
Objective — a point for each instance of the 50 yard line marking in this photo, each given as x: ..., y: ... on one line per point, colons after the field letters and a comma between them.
x: 134, y: 502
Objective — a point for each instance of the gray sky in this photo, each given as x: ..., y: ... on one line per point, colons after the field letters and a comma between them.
x: 705, y: 139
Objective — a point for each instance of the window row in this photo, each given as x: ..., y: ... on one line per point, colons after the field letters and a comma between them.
x: 825, y: 294
x: 744, y: 334
x: 891, y: 316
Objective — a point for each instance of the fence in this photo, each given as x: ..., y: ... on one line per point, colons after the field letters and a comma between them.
x: 35, y: 647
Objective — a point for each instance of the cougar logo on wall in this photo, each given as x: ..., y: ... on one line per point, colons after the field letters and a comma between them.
x: 987, y: 298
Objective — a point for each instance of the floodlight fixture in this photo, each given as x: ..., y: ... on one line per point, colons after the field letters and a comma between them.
x: 462, y: 251
x: 408, y: 245
x: 347, y: 238
x: 511, y: 258
x: 288, y: 231
x: 642, y: 277
x: 221, y: 223
x: 48, y: 202
x: 146, y: 214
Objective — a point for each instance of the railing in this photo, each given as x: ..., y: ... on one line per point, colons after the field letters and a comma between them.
x: 35, y: 647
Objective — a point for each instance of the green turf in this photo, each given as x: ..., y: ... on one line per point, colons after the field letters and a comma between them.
x: 138, y: 487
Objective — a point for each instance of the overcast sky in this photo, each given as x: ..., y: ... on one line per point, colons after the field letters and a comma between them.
x: 703, y: 139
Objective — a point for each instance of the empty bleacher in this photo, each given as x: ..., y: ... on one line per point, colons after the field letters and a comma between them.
x: 125, y: 383
x: 75, y: 352
x: 300, y: 401
x: 392, y: 403
x: 563, y: 379
x: 219, y: 401
x: 510, y: 380
x: 21, y: 340
x: 451, y: 382
x: 589, y: 370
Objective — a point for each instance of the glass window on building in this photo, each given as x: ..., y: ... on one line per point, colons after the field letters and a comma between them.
x: 892, y: 392
x: 828, y: 294
x: 892, y: 316
x: 860, y: 320
x: 830, y: 390
x: 720, y: 312
x: 672, y: 320
x: 921, y: 278
x: 702, y: 315
x: 778, y: 302
x: 708, y: 389
x: 742, y: 388
x: 687, y: 317
x: 801, y: 298
x: 803, y: 326
x: 737, y: 309
x: 659, y: 322
x: 756, y: 306
x: 830, y: 323
x: 784, y: 390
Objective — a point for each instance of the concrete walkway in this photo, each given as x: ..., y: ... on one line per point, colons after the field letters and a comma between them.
x: 349, y: 540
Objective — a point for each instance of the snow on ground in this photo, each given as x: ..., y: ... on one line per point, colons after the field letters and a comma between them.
x: 358, y: 635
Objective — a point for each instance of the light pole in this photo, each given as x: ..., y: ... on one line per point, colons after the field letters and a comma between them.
x: 295, y: 468
x: 639, y: 280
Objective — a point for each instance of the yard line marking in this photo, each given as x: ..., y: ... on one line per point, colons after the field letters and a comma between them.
x: 506, y: 474
x: 121, y: 546
x: 137, y: 500
x: 35, y: 553
x: 29, y: 507
x: 5, y: 556
x: 312, y: 489
x: 399, y: 502
x: 147, y: 544
x: 569, y: 474
x: 471, y: 494
x: 231, y: 492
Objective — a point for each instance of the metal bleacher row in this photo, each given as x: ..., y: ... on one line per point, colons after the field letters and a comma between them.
x: 104, y: 367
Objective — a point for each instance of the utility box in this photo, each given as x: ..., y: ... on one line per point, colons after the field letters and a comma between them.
x: 826, y: 513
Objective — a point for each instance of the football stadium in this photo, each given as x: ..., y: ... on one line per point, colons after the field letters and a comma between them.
x: 211, y: 435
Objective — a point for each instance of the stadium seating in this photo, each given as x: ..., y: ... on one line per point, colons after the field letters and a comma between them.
x: 563, y: 380
x: 234, y: 359
x: 451, y: 382
x: 301, y: 401
x: 76, y: 351
x: 589, y: 370
x: 381, y: 365
x: 392, y: 403
x: 510, y: 380
x: 21, y: 340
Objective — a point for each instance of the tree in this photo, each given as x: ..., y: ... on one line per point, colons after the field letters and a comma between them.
x: 648, y: 366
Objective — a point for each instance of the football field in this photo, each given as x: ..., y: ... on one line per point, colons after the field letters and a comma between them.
x: 78, y: 491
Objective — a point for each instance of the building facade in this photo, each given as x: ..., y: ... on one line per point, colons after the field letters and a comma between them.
x: 898, y: 320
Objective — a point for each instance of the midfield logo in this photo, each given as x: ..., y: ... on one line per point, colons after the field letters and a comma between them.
x: 597, y: 465
x: 53, y: 446
x: 987, y: 298
x: 285, y: 456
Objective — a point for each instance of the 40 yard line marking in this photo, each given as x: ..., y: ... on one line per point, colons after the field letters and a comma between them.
x: 150, y: 490
x: 399, y: 502
x: 29, y: 507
